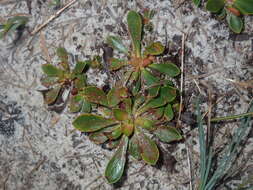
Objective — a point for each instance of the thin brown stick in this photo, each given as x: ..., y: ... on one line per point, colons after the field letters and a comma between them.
x: 181, y: 78
x: 37, y: 29
x: 41, y: 162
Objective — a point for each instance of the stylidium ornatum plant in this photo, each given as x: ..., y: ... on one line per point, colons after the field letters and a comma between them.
x: 129, y: 113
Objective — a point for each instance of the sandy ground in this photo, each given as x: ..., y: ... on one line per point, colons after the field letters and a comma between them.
x: 40, y: 150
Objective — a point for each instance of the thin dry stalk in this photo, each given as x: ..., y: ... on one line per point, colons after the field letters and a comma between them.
x: 51, y: 18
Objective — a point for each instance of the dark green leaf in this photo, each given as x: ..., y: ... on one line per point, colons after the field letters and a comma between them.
x: 80, y: 82
x: 156, y: 48
x: 215, y: 6
x: 115, y: 167
x: 168, y: 93
x: 90, y: 123
x: 98, y: 137
x: 116, y: 43
x: 169, y: 69
x: 145, y: 123
x: 168, y: 112
x: 134, y: 149
x: 49, y: 81
x: 245, y: 6
x: 115, y: 95
x: 63, y: 56
x: 86, y: 107
x: 235, y: 23
x: 80, y: 65
x: 148, y: 77
x: 116, y: 64
x: 134, y: 22
x: 196, y: 2
x: 148, y: 149
x: 51, y: 71
x: 153, y: 103
x: 75, y: 103
x: 52, y: 95
x: 167, y: 134
x: 120, y: 115
x: 95, y: 95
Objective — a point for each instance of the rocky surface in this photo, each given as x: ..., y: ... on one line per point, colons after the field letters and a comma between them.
x: 39, y: 148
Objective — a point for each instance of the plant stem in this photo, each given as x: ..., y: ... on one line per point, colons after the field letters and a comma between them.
x: 232, y: 117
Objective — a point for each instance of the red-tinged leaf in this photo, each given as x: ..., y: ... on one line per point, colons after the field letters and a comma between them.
x: 245, y: 6
x: 153, y: 103
x: 112, y: 144
x: 90, y: 123
x: 115, y: 95
x: 155, y: 48
x: 134, y: 22
x: 51, y: 95
x: 51, y: 70
x: 75, y: 103
x: 127, y: 127
x: 98, y: 137
x: 80, y: 82
x: 116, y: 64
x: 95, y: 95
x: 49, y: 81
x: 134, y: 149
x: 145, y: 123
x: 167, y: 134
x: 168, y: 112
x: 169, y: 69
x: 148, y: 148
x: 80, y: 66
x: 126, y: 104
x: 62, y: 54
x: 115, y: 168
x: 168, y: 93
x: 120, y: 114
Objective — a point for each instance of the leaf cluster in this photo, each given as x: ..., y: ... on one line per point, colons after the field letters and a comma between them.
x: 132, y: 111
x: 12, y: 24
x: 232, y: 10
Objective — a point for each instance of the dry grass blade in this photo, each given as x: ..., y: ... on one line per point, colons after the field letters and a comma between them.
x: 43, y: 46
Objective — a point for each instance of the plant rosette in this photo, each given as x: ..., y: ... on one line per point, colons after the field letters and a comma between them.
x: 62, y: 79
x: 233, y: 10
x: 123, y: 123
x: 141, y: 61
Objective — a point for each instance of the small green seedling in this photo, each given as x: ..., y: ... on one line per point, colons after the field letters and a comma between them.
x: 233, y: 10
x: 142, y: 62
x: 61, y: 78
x: 13, y: 24
x: 124, y: 122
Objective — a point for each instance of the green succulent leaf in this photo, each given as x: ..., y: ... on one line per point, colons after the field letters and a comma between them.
x: 158, y: 112
x: 116, y: 64
x: 155, y: 48
x: 127, y: 127
x: 196, y: 2
x: 95, y: 95
x: 168, y: 112
x: 91, y: 123
x: 168, y: 93
x: 75, y: 103
x: 244, y: 6
x: 153, y: 103
x: 120, y: 114
x: 115, y: 95
x: 137, y: 83
x: 134, y: 149
x: 98, y: 137
x: 62, y: 54
x: 80, y: 65
x: 215, y: 6
x: 115, y: 168
x: 52, y: 95
x: 49, y: 81
x: 116, y: 43
x: 145, y: 123
x: 80, y: 81
x: 235, y: 23
x: 148, y: 77
x: 153, y: 91
x: 148, y: 149
x: 116, y: 133
x: 112, y: 144
x: 167, y: 134
x: 169, y: 69
x: 134, y: 22
x: 86, y: 107
x: 51, y: 70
